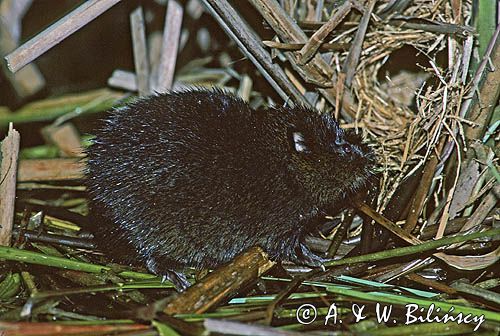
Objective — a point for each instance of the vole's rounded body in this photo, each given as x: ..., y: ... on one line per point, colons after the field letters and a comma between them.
x: 195, y: 178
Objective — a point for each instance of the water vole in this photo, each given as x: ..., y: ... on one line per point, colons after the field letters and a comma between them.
x: 196, y: 177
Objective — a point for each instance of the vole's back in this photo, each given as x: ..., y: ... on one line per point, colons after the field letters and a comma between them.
x: 195, y: 178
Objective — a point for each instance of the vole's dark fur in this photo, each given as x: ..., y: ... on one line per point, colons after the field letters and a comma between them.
x: 195, y: 178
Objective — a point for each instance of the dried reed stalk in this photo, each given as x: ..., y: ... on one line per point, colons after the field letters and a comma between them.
x: 10, y: 152
x: 57, y: 32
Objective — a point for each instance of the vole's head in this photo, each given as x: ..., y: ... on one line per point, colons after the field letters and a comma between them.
x: 329, y: 162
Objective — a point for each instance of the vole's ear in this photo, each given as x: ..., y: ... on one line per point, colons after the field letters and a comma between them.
x: 298, y: 142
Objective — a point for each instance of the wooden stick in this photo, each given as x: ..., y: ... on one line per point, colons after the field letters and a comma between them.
x: 194, y: 8
x: 141, y: 60
x: 386, y: 223
x: 57, y: 32
x: 222, y: 283
x: 486, y: 89
x: 245, y: 88
x: 171, y: 37
x: 155, y: 40
x: 50, y: 170
x: 317, y: 71
x: 298, y: 46
x: 29, y: 80
x: 352, y: 60
x: 10, y: 153
x: 312, y: 46
x: 11, y: 16
x: 66, y: 138
x: 432, y: 283
x: 251, y: 47
x: 420, y: 196
x: 122, y: 79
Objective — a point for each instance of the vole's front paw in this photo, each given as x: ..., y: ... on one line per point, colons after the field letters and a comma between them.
x: 178, y: 279
x: 306, y: 257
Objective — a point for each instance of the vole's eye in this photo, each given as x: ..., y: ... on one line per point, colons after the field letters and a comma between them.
x: 346, y: 148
